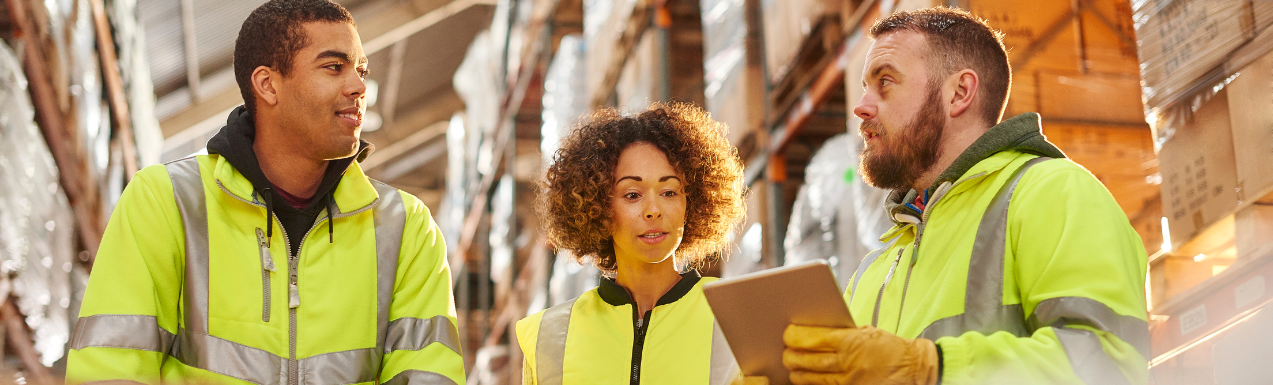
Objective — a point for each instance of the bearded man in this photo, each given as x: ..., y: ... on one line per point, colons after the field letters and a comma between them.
x: 1007, y: 262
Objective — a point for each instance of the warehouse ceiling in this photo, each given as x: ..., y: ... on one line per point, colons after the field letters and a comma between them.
x: 414, y: 48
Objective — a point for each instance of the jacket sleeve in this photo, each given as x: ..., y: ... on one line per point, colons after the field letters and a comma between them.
x: 1080, y: 274
x: 423, y: 341
x: 129, y: 315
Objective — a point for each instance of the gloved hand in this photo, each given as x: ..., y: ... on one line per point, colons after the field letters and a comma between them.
x: 862, y: 355
x: 750, y: 380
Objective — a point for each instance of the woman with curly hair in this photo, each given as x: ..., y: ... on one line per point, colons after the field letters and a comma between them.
x: 648, y: 199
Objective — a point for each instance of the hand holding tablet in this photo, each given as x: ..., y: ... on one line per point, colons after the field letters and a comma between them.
x: 754, y: 310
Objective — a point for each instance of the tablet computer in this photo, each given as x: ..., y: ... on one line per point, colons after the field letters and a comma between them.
x: 753, y: 310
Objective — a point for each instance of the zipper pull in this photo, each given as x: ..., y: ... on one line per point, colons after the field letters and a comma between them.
x: 267, y: 261
x: 293, y: 296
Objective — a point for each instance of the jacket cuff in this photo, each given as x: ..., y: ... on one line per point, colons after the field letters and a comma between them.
x: 954, y: 361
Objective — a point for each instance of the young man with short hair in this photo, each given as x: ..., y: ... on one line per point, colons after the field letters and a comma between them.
x: 274, y: 259
x: 1007, y: 263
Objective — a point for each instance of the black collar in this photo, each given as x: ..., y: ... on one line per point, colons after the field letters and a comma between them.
x: 616, y: 295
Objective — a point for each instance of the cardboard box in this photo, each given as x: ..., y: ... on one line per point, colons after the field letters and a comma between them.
x: 1251, y: 113
x: 786, y: 25
x: 1253, y: 231
x: 1197, y: 166
x: 1180, y: 41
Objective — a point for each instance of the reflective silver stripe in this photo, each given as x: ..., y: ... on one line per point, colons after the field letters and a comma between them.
x: 983, y: 299
x: 112, y: 382
x: 985, y: 268
x: 987, y: 321
x: 866, y: 262
x: 127, y: 331
x: 228, y: 358
x: 1060, y: 311
x: 187, y: 188
x: 1088, y: 360
x: 390, y: 218
x: 550, y: 345
x: 345, y: 367
x: 409, y: 333
x: 419, y: 377
x: 723, y: 367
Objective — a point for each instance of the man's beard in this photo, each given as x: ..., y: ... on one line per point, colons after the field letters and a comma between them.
x: 899, y: 158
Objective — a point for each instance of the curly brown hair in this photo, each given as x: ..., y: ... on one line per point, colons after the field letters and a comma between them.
x: 575, y: 198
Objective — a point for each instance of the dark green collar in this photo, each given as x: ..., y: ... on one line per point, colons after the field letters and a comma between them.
x: 1021, y: 133
x: 616, y: 295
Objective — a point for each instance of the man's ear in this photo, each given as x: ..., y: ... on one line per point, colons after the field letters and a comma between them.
x: 965, y: 85
x: 264, y: 85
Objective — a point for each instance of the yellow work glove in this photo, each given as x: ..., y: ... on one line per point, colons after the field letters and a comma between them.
x: 750, y: 380
x: 863, y: 355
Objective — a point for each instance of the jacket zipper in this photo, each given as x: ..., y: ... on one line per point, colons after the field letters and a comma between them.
x: 919, y: 235
x: 875, y: 317
x: 267, y: 269
x: 640, y: 326
x: 293, y: 260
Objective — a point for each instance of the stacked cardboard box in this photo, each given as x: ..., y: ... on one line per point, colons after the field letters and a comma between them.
x: 787, y: 24
x: 1214, y: 157
x: 1183, y: 41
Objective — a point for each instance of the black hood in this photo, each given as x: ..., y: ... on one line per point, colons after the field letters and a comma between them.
x: 234, y: 143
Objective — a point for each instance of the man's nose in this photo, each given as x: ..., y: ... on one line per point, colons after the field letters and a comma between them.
x: 865, y: 108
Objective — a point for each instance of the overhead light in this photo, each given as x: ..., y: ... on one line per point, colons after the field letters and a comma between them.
x: 1166, y: 236
x: 1199, y: 257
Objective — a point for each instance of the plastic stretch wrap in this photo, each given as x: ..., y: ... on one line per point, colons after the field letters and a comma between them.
x: 1213, y: 150
x: 570, y: 279
x: 36, y: 245
x: 565, y: 93
x: 643, y: 79
x: 477, y: 83
x: 508, y: 26
x: 603, y: 24
x: 725, y: 64
x: 747, y: 258
x: 91, y: 113
x: 1186, y: 46
x: 565, y: 105
x: 134, y: 68
x: 787, y: 24
x: 836, y: 216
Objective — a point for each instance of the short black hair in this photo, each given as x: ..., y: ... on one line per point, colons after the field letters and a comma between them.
x: 272, y: 35
x: 958, y: 40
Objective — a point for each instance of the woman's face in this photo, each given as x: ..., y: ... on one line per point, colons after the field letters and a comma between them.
x: 648, y: 206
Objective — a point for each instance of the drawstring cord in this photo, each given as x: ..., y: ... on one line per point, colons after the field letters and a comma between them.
x: 331, y: 206
x: 269, y: 214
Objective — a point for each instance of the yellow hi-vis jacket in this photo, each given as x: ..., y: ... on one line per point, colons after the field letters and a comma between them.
x: 186, y: 290
x: 1038, y: 284
x: 598, y: 338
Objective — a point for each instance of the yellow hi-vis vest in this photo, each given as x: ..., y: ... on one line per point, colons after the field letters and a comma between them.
x: 592, y: 339
x: 187, y: 289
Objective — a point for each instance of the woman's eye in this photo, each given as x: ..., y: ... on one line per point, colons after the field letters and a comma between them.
x: 631, y: 195
x: 669, y: 193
